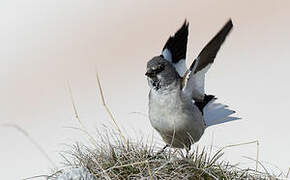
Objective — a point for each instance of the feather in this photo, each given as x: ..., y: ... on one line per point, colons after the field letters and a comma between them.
x: 174, y: 49
x: 194, y: 85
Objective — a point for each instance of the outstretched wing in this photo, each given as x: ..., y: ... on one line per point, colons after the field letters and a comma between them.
x: 195, y: 83
x: 174, y: 50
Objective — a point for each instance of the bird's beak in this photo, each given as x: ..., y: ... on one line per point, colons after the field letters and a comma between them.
x: 149, y: 73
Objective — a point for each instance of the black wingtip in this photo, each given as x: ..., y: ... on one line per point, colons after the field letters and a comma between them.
x: 209, y: 52
x: 177, y: 44
x: 225, y: 30
x: 230, y: 22
x: 185, y: 24
x: 229, y: 25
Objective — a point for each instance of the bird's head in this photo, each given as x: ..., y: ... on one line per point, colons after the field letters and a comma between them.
x: 160, y: 73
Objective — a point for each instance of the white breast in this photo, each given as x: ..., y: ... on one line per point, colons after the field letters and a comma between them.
x: 170, y: 113
x: 164, y: 111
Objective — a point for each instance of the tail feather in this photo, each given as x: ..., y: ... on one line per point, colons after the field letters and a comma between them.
x: 214, y: 106
x: 220, y: 113
x: 217, y: 113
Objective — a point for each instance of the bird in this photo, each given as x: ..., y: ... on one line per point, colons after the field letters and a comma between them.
x: 179, y: 108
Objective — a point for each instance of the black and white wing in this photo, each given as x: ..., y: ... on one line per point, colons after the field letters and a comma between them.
x: 194, y: 86
x: 174, y: 50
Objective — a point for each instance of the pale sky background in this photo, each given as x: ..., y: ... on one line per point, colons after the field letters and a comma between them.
x: 45, y: 43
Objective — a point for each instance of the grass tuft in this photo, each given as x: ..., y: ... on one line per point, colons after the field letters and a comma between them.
x: 115, y: 157
x: 136, y: 160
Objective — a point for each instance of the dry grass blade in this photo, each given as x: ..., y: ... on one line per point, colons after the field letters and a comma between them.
x: 241, y: 144
x: 260, y: 165
x: 108, y: 110
x: 149, y: 170
x: 126, y: 165
x: 39, y: 176
x: 213, y: 160
x: 36, y: 144
x: 93, y: 141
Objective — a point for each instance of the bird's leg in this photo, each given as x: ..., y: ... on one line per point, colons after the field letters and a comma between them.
x: 163, y: 149
x: 187, y: 149
x: 166, y: 146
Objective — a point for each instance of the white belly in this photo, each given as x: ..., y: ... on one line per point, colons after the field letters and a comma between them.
x: 173, y: 116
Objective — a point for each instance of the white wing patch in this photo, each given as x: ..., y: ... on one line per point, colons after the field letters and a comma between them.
x: 167, y: 55
x: 180, y: 66
x: 195, y: 83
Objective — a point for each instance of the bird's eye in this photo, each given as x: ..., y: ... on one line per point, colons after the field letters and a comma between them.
x: 158, y: 68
